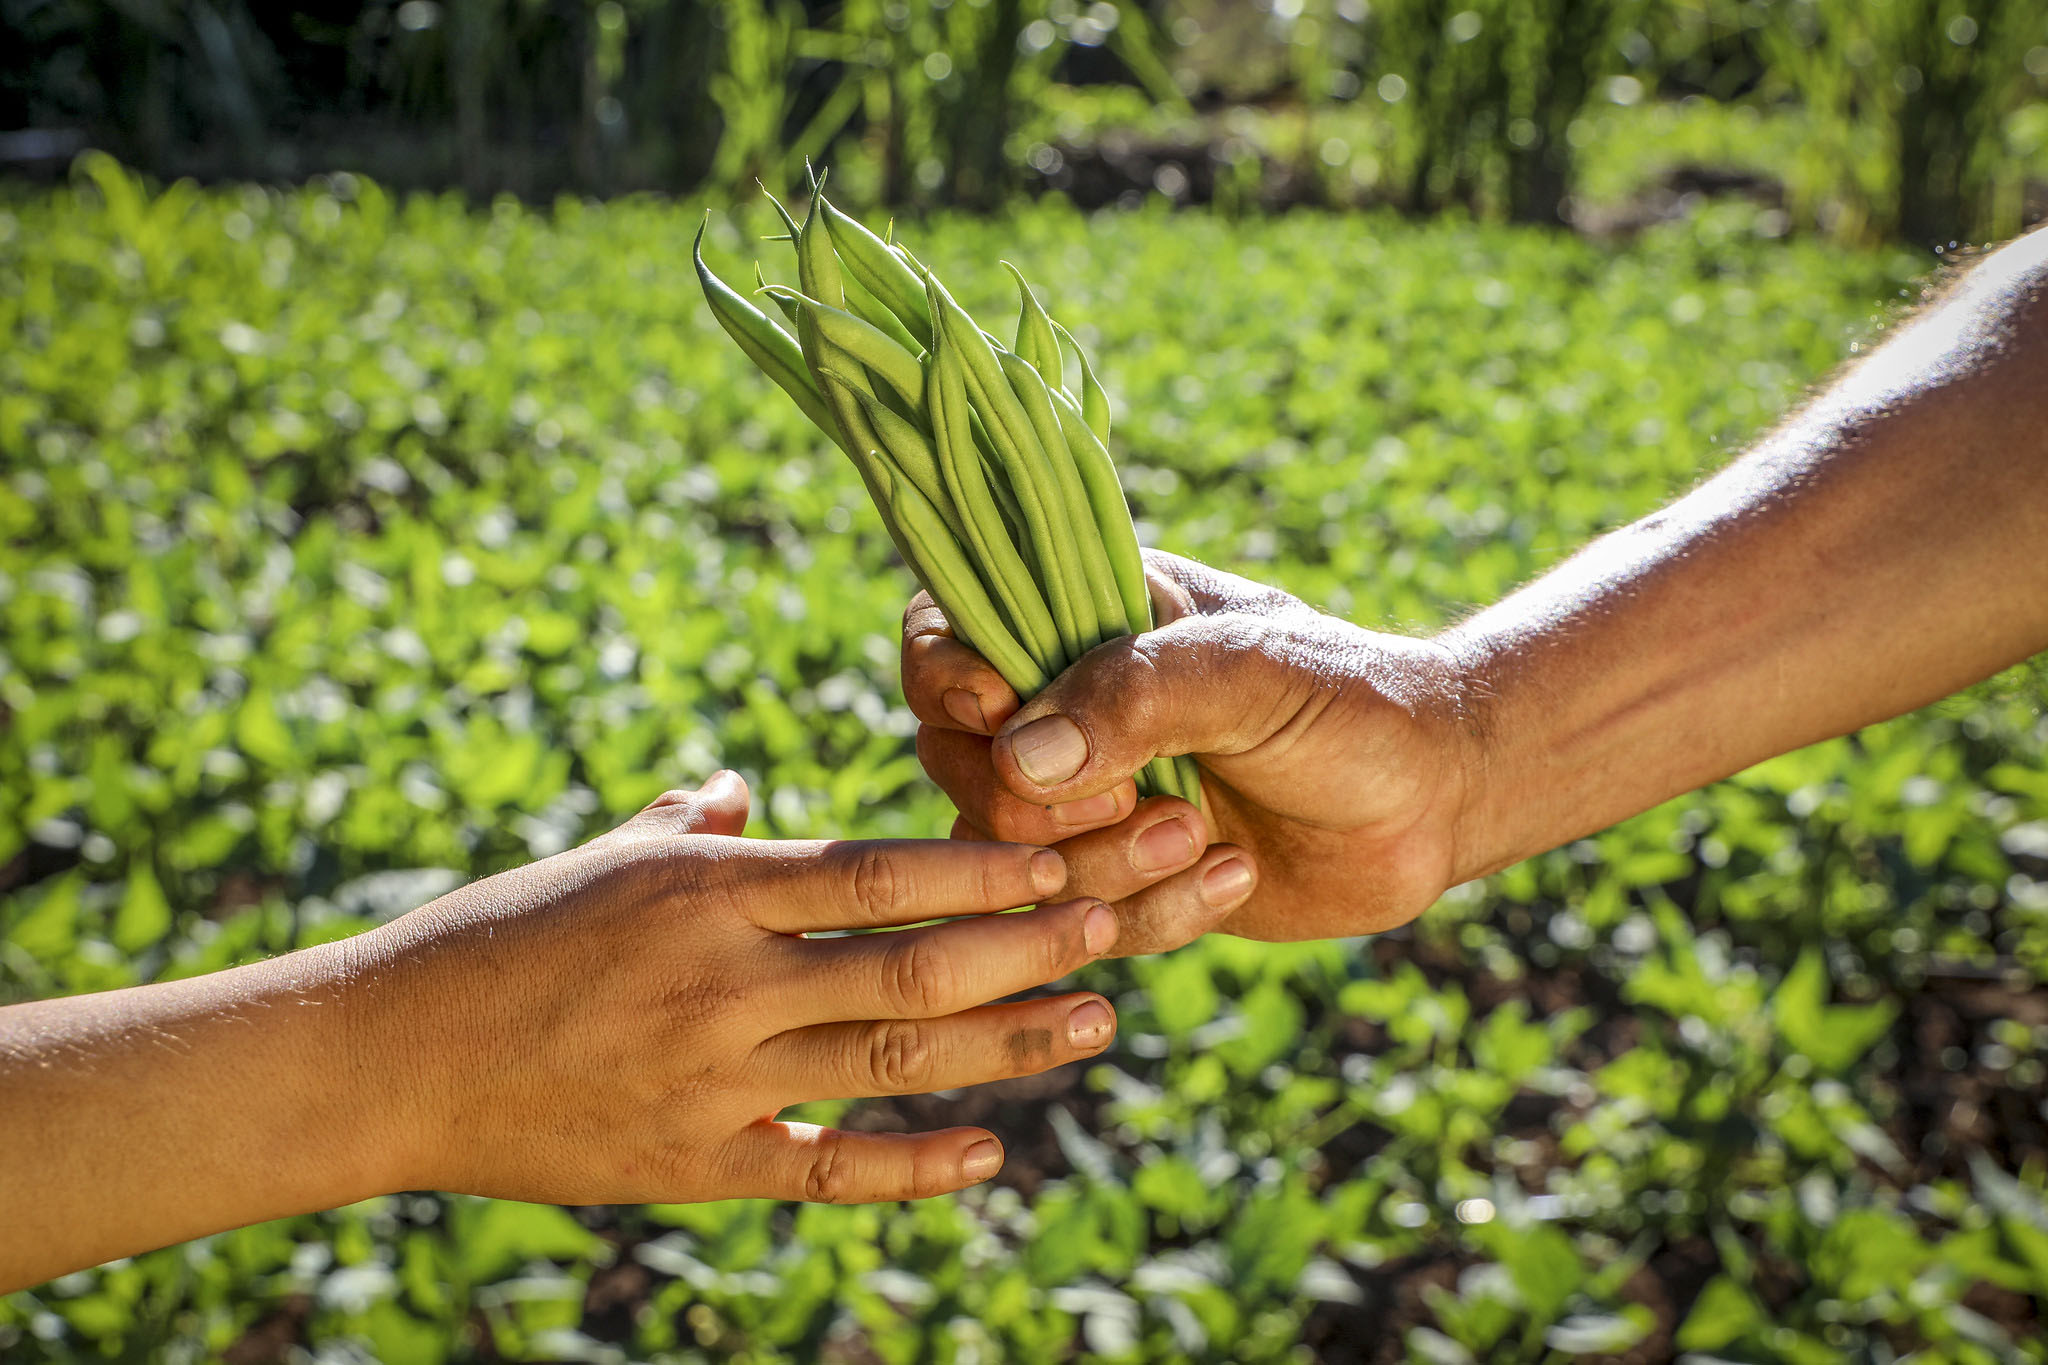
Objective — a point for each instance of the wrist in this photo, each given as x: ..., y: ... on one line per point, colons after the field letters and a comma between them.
x: 371, y: 1071
x: 1475, y: 694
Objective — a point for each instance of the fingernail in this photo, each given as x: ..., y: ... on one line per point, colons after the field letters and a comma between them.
x: 1090, y: 1024
x: 1167, y: 844
x: 965, y: 707
x: 982, y: 1160
x: 1098, y: 930
x: 1089, y: 810
x: 1048, y: 872
x: 1227, y: 883
x: 1050, y: 750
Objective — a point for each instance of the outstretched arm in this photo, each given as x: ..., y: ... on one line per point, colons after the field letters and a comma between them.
x: 1883, y: 548
x: 616, y: 1024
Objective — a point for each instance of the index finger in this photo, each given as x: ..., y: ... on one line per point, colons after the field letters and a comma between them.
x: 944, y: 682
x: 870, y: 883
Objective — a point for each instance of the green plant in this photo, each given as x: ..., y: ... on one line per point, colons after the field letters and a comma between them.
x: 353, y: 544
x: 1937, y: 81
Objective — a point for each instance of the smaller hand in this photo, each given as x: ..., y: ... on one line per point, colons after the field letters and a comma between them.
x: 622, y: 1022
x: 1335, y: 762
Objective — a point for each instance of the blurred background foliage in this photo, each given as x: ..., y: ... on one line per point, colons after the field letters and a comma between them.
x: 1913, y: 118
x: 379, y: 509
x: 353, y: 545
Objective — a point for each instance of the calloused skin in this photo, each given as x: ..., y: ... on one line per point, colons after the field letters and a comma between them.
x: 619, y: 1023
x: 1881, y: 549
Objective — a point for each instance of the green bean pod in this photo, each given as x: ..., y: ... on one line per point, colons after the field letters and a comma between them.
x: 986, y: 533
x: 999, y: 484
x: 1164, y: 777
x: 817, y: 268
x: 864, y: 450
x: 935, y: 557
x: 884, y: 274
x: 865, y: 306
x: 783, y: 301
x: 776, y: 353
x: 843, y: 332
x: 908, y: 451
x: 1110, y: 512
x: 1035, y: 340
x: 1024, y: 464
x: 1096, y: 576
x: 1094, y: 402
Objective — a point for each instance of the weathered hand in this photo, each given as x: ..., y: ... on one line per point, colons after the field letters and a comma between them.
x: 621, y: 1023
x: 1334, y: 762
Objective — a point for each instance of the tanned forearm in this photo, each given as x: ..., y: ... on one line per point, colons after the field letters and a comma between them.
x: 1886, y: 547
x: 138, y: 1118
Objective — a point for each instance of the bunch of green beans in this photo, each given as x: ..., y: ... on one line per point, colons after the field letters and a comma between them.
x: 992, y: 476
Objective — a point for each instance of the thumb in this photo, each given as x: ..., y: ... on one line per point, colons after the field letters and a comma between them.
x: 722, y: 804
x: 1197, y: 685
x: 717, y: 807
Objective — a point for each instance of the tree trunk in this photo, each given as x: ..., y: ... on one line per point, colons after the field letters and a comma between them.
x: 978, y: 171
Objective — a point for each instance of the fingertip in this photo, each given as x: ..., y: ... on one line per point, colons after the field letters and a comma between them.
x: 1099, y: 929
x: 982, y: 1158
x: 1229, y: 881
x: 965, y: 709
x: 1091, y: 1024
x: 1045, y: 752
x: 1048, y: 872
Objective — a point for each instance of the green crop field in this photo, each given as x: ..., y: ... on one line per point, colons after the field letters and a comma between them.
x: 351, y: 547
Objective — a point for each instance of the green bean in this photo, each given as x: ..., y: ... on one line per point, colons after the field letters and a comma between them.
x: 1094, y: 402
x: 987, y: 535
x: 768, y: 346
x: 1091, y: 564
x: 782, y: 301
x: 936, y: 559
x: 1023, y: 461
x: 1035, y: 341
x: 1165, y: 779
x: 906, y: 448
x: 1190, y: 774
x: 816, y: 267
x: 1110, y: 512
x: 864, y: 449
x: 877, y: 267
x: 844, y: 332
x: 789, y: 224
x: 875, y: 314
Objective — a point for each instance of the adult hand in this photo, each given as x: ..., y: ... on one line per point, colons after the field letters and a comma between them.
x: 1335, y: 762
x: 619, y: 1023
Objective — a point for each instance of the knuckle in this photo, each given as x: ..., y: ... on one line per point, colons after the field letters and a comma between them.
x: 1056, y: 952
x: 899, y: 1059
x: 829, y: 1175
x: 877, y: 883
x: 1013, y: 822
x: 917, y: 979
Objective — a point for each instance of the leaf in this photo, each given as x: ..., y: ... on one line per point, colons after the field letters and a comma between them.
x: 1831, y: 1037
x: 145, y: 916
x: 1273, y: 1021
x: 496, y: 1236
x: 262, y: 734
x: 1599, y: 1333
x: 1722, y: 1313
x: 1546, y: 1267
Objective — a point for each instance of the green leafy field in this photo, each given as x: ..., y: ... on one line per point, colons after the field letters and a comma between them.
x: 353, y: 547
